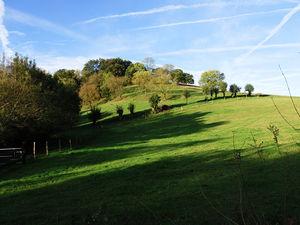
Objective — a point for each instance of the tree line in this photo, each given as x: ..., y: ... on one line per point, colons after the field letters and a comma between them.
x: 212, y: 82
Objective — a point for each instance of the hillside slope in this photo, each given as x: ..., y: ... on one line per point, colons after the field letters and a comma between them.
x: 163, y: 169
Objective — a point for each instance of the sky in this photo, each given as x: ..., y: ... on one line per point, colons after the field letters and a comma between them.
x: 246, y: 40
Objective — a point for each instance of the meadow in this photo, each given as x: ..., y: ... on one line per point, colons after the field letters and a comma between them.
x: 192, y: 164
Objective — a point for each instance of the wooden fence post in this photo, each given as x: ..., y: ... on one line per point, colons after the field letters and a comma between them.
x: 59, y: 144
x: 70, y: 142
x: 34, y: 156
x: 47, y: 150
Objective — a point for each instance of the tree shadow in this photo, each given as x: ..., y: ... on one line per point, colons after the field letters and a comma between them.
x: 167, y: 191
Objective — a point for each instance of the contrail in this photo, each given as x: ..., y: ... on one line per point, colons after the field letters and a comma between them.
x: 157, y: 10
x: 217, y: 19
x: 276, y: 29
x: 3, y: 31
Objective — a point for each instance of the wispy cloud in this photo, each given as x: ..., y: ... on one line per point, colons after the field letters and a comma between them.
x: 157, y: 10
x: 216, y: 19
x: 3, y: 31
x: 18, y: 33
x: 34, y: 21
x: 228, y: 49
x: 274, y: 31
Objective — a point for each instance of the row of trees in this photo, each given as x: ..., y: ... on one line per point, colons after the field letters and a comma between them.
x: 33, y: 103
x: 212, y: 82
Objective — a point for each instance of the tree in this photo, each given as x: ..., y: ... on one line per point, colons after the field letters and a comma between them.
x: 206, y: 90
x: 178, y: 76
x: 133, y: 68
x: 94, y: 115
x: 33, y: 105
x: 249, y: 88
x: 154, y: 100
x: 161, y: 81
x: 115, y: 66
x: 89, y: 93
x: 223, y: 88
x: 149, y: 63
x: 69, y: 78
x: 186, y: 94
x: 211, y: 79
x: 143, y: 79
x: 168, y: 67
x: 234, y: 89
x: 91, y: 67
x: 116, y: 85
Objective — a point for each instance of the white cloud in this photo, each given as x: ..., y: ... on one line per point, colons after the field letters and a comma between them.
x: 18, y: 33
x: 211, y: 20
x: 3, y: 31
x: 33, y: 21
x: 276, y: 29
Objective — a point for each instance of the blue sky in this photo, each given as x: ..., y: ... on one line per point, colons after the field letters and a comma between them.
x: 246, y: 40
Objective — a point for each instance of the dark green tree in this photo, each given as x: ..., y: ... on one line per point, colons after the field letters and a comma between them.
x: 186, y: 94
x: 234, y: 89
x: 154, y: 101
x: 94, y: 115
x: 249, y: 88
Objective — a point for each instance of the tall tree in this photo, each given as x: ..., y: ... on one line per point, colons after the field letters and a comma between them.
x: 211, y: 79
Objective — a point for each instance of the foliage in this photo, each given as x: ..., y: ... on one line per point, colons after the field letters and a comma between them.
x: 133, y: 68
x: 33, y: 105
x: 178, y: 76
x: 223, y: 88
x: 211, y: 80
x: 116, y: 85
x: 120, y: 111
x: 234, y: 89
x: 143, y: 79
x: 89, y: 93
x: 69, y: 78
x: 154, y: 101
x: 94, y: 115
x: 186, y: 94
x: 131, y: 108
x: 161, y: 81
x: 115, y: 66
x: 91, y: 67
x: 249, y: 88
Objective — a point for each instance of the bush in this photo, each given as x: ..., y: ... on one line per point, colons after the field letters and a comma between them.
x: 186, y: 94
x: 154, y: 100
x: 94, y: 115
x: 131, y: 108
x: 120, y: 111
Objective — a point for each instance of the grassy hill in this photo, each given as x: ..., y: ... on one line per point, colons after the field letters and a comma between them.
x: 175, y: 167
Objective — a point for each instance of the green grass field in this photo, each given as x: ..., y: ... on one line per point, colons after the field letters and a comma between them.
x: 175, y: 167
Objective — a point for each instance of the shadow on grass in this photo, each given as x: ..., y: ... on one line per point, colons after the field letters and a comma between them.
x: 160, y: 192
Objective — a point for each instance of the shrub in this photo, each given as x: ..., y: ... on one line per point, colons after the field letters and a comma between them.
x: 154, y: 100
x: 94, y: 115
x: 186, y: 94
x: 131, y: 108
x: 120, y: 111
